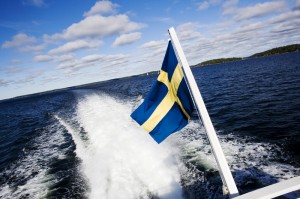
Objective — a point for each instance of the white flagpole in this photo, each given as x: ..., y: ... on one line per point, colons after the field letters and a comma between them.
x: 224, y: 170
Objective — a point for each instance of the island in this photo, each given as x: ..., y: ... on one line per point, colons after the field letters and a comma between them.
x: 273, y: 51
x: 217, y: 61
x: 279, y: 50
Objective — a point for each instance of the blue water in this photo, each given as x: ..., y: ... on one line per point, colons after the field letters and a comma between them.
x: 81, y: 143
x: 256, y: 97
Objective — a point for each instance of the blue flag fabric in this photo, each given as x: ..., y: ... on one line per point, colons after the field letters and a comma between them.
x: 168, y: 106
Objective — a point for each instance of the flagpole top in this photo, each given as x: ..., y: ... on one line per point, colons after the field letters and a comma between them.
x: 171, y: 30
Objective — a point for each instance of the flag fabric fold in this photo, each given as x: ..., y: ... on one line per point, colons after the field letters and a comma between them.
x: 168, y: 106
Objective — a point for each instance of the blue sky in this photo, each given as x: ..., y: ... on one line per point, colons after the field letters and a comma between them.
x: 50, y: 44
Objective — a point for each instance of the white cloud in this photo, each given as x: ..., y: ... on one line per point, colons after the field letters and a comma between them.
x: 102, y: 58
x: 251, y: 27
x: 238, y: 39
x: 203, y: 5
x: 286, y: 27
x: 102, y: 7
x: 88, y: 61
x: 42, y: 58
x: 15, y: 62
x: 127, y: 39
x: 64, y: 58
x: 153, y: 44
x: 52, y: 38
x: 31, y: 48
x: 18, y: 40
x: 152, y: 54
x: 95, y: 26
x: 297, y: 4
x: 13, y: 69
x: 30, y: 77
x: 76, y: 45
x: 100, y: 26
x: 188, y: 31
x: 243, y: 38
x: 4, y: 82
x: 206, y: 4
x: 256, y: 10
x: 48, y: 79
x: 230, y: 3
x: 287, y: 16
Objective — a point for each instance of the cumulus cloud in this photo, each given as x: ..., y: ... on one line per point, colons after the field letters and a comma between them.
x: 257, y: 10
x: 101, y: 26
x: 95, y: 25
x: 102, y: 7
x: 43, y: 58
x: 127, y: 39
x: 76, y: 45
x: 18, y: 40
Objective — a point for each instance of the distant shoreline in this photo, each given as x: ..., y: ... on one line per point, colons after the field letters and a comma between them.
x: 273, y: 51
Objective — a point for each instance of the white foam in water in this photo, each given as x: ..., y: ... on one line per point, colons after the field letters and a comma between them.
x: 121, y: 160
x: 193, y: 142
x: 80, y: 145
x: 35, y: 161
x: 241, y: 154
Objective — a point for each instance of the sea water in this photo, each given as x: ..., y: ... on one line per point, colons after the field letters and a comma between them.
x: 81, y: 142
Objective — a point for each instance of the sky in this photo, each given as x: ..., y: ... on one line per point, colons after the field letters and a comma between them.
x: 51, y: 44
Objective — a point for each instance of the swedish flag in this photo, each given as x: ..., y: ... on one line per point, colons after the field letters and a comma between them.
x: 168, y: 106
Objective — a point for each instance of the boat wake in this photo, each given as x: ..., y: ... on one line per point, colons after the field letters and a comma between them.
x: 120, y: 160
